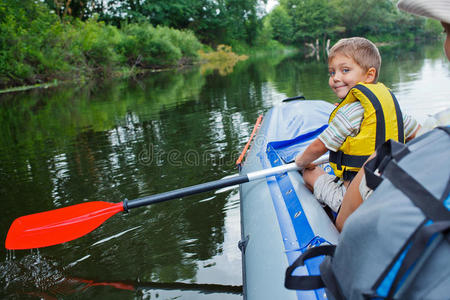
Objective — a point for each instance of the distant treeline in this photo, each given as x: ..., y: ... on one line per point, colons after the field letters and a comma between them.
x: 42, y: 40
x: 301, y: 21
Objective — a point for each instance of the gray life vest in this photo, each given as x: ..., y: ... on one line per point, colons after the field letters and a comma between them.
x: 396, y: 245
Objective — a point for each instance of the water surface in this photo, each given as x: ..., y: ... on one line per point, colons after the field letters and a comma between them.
x: 138, y: 137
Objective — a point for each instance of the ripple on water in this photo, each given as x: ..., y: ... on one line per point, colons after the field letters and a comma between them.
x: 29, y: 275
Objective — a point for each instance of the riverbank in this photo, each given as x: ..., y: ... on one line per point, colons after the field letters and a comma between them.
x: 29, y: 87
x: 114, y: 75
x: 222, y: 60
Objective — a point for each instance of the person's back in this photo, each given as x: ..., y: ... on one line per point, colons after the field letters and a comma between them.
x: 381, y: 120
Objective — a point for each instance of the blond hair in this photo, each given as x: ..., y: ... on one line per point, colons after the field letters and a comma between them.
x: 361, y: 50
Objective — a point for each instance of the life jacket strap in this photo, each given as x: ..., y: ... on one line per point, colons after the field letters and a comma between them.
x: 354, y: 161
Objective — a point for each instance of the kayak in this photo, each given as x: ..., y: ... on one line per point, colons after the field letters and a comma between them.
x: 280, y: 218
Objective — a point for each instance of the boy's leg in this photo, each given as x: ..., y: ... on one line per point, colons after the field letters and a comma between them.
x: 325, y: 188
x: 310, y: 176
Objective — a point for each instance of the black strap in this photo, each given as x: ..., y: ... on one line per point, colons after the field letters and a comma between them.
x: 294, y: 98
x: 349, y: 175
x: 419, y: 196
x: 385, y: 153
x: 372, y: 180
x: 446, y: 191
x: 400, y: 126
x: 445, y: 128
x: 380, y: 135
x: 417, y: 248
x: 397, y: 150
x: 355, y: 161
x: 329, y: 278
x: 311, y: 282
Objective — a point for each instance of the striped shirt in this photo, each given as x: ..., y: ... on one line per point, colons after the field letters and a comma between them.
x: 347, y: 122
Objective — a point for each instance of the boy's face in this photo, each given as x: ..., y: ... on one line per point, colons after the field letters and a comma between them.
x: 447, y: 40
x: 345, y: 73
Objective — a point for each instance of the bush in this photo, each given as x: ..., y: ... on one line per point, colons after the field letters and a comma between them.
x: 184, y: 40
x: 25, y: 30
x: 433, y: 28
x: 92, y: 45
x: 36, y: 46
x: 161, y: 46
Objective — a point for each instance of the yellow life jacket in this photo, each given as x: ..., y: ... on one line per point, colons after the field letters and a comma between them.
x: 382, y: 121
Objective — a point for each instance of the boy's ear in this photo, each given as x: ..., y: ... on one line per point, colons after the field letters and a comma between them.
x: 371, y: 75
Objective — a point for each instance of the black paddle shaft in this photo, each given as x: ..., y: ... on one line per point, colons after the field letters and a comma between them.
x: 183, y: 192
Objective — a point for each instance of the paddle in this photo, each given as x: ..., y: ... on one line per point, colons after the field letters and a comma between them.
x: 65, y: 224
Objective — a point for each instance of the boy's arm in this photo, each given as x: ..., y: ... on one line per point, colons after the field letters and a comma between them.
x: 346, y: 122
x: 315, y: 150
x: 352, y: 200
x: 411, y: 127
x: 413, y: 135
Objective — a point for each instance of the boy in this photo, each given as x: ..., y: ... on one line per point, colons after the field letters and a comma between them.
x: 439, y: 10
x: 367, y: 116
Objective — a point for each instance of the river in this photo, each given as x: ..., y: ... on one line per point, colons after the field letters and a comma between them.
x: 142, y: 136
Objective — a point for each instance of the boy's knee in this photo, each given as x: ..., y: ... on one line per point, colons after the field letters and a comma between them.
x: 329, y: 192
x: 310, y: 175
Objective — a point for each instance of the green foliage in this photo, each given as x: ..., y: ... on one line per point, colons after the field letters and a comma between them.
x: 91, y: 45
x: 145, y: 45
x: 300, y: 21
x: 183, y: 40
x: 35, y: 46
x: 433, y: 27
x: 46, y: 39
x: 281, y: 25
x: 213, y: 22
x: 311, y: 19
x: 360, y: 17
x: 25, y: 30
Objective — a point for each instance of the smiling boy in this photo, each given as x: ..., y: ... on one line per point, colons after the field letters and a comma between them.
x: 367, y: 116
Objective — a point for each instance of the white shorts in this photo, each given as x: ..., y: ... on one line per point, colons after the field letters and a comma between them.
x: 329, y: 192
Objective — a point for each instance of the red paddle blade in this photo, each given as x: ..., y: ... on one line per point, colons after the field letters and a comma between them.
x: 60, y: 225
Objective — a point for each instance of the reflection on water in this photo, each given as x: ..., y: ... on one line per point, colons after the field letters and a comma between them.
x: 129, y: 139
x: 35, y: 276
x: 223, y: 60
x: 419, y: 78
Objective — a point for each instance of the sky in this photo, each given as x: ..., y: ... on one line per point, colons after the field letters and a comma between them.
x: 271, y: 4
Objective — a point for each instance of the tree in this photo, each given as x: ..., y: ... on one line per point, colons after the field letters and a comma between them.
x: 362, y: 17
x: 81, y: 9
x: 26, y: 38
x: 312, y: 19
x: 281, y: 25
x: 213, y: 21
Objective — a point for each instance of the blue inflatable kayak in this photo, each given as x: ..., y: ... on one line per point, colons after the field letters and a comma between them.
x: 280, y: 217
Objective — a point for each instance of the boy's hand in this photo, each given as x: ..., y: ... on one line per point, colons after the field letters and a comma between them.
x: 299, y: 161
x: 310, y: 166
x: 301, y: 164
